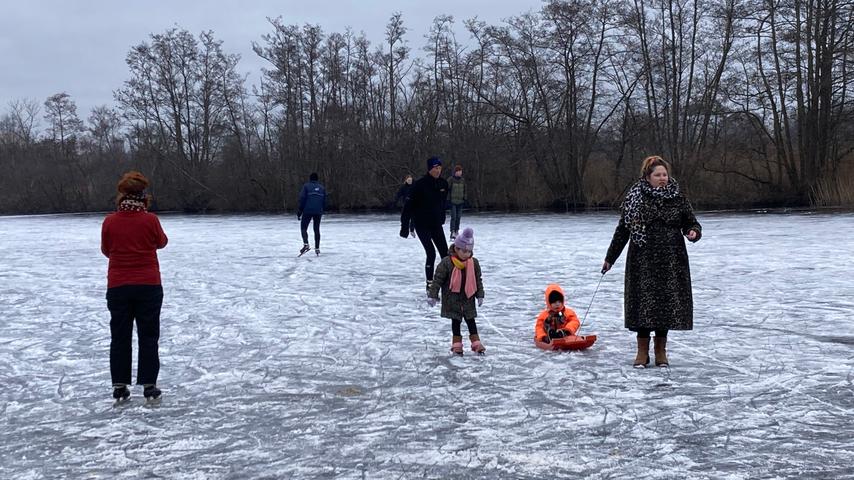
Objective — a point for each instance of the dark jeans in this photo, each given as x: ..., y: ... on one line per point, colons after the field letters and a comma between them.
x: 303, y: 225
x: 430, y: 236
x: 457, y: 322
x: 644, y: 333
x: 126, y: 304
x: 456, y: 214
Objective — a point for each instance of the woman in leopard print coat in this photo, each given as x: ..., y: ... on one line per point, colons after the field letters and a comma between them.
x: 655, y: 217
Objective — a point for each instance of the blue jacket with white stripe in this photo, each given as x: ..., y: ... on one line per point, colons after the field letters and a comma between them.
x: 312, y: 199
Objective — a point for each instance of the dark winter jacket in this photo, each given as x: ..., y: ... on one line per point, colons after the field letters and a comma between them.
x: 403, y: 194
x: 658, y: 278
x: 457, y: 189
x: 312, y: 199
x: 426, y: 204
x: 455, y: 305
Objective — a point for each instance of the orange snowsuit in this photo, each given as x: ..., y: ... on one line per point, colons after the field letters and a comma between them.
x: 564, y: 319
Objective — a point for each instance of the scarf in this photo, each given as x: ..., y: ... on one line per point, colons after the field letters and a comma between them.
x: 132, y: 202
x: 457, y: 276
x: 642, y: 204
x: 555, y: 320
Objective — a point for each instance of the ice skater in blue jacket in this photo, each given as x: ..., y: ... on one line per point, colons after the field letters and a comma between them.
x: 312, y: 203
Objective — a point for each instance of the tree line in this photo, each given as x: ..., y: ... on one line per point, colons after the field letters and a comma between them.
x: 748, y: 99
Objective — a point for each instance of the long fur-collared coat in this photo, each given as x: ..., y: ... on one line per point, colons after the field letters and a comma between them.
x: 658, y: 278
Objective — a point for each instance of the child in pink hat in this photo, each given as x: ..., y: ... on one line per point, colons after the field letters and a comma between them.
x: 458, y: 277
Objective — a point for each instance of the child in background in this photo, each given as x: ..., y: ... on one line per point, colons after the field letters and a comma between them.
x: 557, y: 320
x: 458, y: 277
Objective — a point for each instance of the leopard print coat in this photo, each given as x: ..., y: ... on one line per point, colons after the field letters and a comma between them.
x: 658, y: 277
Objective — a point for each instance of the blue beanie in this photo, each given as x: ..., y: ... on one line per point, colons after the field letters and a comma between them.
x: 432, y: 162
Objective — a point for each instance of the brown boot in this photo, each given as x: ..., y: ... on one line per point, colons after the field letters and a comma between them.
x: 642, y: 358
x: 457, y: 344
x: 476, y: 346
x: 661, y: 352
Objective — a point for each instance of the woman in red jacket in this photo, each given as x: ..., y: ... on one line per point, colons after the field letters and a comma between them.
x: 130, y: 238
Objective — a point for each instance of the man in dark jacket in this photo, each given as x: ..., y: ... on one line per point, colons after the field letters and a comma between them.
x: 426, y: 205
x: 312, y: 203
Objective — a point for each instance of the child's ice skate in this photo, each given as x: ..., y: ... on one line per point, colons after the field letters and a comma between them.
x: 476, y: 346
x: 457, y: 345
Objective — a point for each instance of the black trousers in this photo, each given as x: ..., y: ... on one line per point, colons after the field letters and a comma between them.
x: 644, y: 333
x: 126, y: 304
x: 457, y: 322
x: 430, y: 235
x: 303, y: 225
x: 456, y: 216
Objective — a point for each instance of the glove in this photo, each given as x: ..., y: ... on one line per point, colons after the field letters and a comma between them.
x: 557, y: 333
x: 432, y: 301
x: 545, y: 339
x: 404, y: 232
x: 479, y: 301
x: 299, y: 215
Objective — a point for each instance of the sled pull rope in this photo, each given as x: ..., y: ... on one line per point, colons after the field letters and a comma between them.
x: 591, y: 303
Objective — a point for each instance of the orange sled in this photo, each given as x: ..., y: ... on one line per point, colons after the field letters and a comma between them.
x: 571, y: 342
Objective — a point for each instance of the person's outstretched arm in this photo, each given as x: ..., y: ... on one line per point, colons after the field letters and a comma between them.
x: 618, y: 243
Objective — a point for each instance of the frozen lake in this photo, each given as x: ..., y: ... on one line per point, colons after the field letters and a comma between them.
x: 335, y: 367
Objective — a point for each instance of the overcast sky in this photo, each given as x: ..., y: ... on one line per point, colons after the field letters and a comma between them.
x: 79, y: 47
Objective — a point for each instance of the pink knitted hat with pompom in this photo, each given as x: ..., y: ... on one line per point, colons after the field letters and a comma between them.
x: 465, y: 240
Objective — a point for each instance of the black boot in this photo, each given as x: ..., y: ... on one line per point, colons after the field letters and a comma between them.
x: 151, y: 392
x: 121, y: 392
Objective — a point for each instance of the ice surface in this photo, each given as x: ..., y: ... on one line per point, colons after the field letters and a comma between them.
x: 334, y: 366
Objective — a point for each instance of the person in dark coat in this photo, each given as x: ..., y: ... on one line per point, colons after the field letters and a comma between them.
x: 130, y: 238
x: 312, y: 204
x: 402, y: 197
x: 426, y: 206
x: 655, y: 217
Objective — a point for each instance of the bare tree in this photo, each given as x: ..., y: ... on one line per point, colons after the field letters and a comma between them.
x: 64, y: 125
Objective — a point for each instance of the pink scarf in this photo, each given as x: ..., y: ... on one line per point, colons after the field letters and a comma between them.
x: 457, y: 277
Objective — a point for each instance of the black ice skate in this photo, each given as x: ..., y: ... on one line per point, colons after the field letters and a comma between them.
x: 304, y: 249
x: 151, y: 393
x: 121, y: 393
